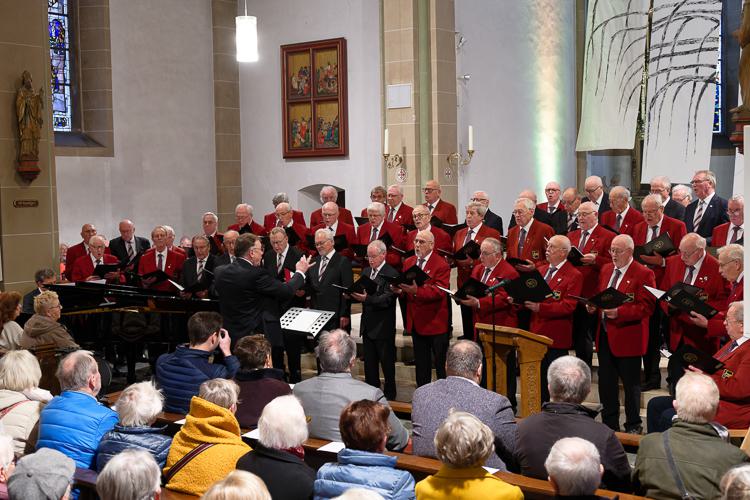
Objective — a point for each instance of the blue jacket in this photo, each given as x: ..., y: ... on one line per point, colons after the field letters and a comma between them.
x: 73, y: 423
x: 121, y: 438
x: 363, y: 469
x: 180, y: 374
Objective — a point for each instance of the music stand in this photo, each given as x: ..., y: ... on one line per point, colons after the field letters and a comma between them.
x: 307, y: 321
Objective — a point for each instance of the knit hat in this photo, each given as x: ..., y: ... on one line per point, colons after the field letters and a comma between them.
x: 44, y: 475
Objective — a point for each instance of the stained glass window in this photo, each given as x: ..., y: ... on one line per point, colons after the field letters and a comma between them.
x: 718, y: 117
x: 59, y: 47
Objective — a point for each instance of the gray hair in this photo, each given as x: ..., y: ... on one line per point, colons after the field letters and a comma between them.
x: 654, y: 199
x: 376, y: 206
x: 336, y: 351
x: 45, y: 301
x: 283, y: 423
x: 684, y: 189
x: 563, y: 240
x: 280, y: 198
x: 627, y: 239
x: 43, y: 274
x: 200, y: 237
x: 496, y: 245
x: 569, y: 380
x: 574, y: 465
x: 694, y: 239
x: 733, y: 251
x: 735, y: 485
x: 277, y: 230
x: 464, y: 359
x: 213, y: 216
x: 710, y: 176
x: 399, y: 187
x: 19, y: 371
x: 139, y: 404
x: 238, y: 484
x: 220, y: 391
x: 377, y: 244
x: 463, y: 441
x: 697, y: 398
x: 328, y: 235
x: 736, y: 308
x: 131, y: 474
x: 477, y: 207
x: 619, y: 192
x: 528, y: 203
x: 737, y: 198
x: 74, y: 370
x: 329, y: 188
x: 169, y: 230
x: 663, y: 180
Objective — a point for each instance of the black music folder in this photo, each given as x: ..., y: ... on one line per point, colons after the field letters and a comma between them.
x: 608, y: 299
x: 528, y: 286
x: 687, y: 298
x: 363, y: 284
x: 413, y: 274
x: 661, y: 245
x: 689, y: 355
x: 103, y: 269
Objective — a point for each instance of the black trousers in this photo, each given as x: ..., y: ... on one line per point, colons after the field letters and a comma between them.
x: 552, y: 354
x: 467, y: 322
x: 425, y: 348
x: 611, y: 370
x: 293, y: 346
x: 651, y: 372
x: 584, y: 326
x: 381, y: 353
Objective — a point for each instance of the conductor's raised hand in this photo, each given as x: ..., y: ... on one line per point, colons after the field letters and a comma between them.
x: 303, y: 264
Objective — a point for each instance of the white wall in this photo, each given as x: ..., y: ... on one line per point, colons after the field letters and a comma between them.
x: 521, y: 96
x: 163, y: 171
x: 264, y: 171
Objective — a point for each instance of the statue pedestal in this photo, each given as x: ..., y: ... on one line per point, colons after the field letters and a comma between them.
x: 740, y: 120
x: 28, y: 169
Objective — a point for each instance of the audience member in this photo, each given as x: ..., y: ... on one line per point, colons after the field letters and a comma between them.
x: 131, y: 475
x: 463, y: 444
x: 259, y: 382
x: 433, y: 402
x: 10, y: 308
x: 42, y: 278
x: 21, y: 399
x: 700, y: 455
x: 574, y: 469
x: 44, y: 327
x: 208, y: 445
x: 138, y: 407
x: 238, y: 485
x: 278, y: 456
x: 735, y: 485
x: 569, y: 383
x: 180, y: 373
x: 44, y: 475
x: 323, y: 397
x: 7, y: 464
x: 364, y: 429
x: 74, y: 422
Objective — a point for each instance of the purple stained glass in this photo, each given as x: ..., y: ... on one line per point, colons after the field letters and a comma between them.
x: 59, y: 45
x: 718, y: 117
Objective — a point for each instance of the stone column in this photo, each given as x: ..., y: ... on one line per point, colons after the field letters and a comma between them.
x: 226, y: 112
x: 28, y: 212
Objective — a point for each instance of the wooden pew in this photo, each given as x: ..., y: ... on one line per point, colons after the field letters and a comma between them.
x: 85, y: 480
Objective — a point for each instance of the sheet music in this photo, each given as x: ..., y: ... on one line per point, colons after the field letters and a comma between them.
x: 333, y: 447
x: 655, y: 291
x: 304, y: 321
x: 254, y: 434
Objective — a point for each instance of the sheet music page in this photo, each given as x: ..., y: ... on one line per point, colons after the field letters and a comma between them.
x: 304, y: 321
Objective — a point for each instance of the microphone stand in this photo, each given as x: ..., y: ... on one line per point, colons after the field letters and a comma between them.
x: 494, y: 364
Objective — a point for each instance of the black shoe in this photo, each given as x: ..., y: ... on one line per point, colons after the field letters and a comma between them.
x: 638, y: 430
x: 650, y: 386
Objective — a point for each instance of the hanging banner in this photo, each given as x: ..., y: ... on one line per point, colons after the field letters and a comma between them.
x: 613, y: 73
x: 682, y: 68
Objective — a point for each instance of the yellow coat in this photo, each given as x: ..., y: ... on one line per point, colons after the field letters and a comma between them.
x: 470, y: 484
x: 206, y: 423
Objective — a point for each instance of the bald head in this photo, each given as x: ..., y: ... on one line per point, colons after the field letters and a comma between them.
x: 127, y: 229
x: 528, y: 193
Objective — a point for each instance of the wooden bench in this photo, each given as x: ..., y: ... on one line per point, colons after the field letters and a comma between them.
x: 85, y: 480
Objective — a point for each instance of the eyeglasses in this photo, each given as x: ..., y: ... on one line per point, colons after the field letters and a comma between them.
x: 585, y: 214
x: 421, y: 242
x: 736, y: 211
x: 593, y: 190
x: 551, y: 190
x: 487, y: 254
x: 477, y: 200
x: 617, y: 251
x: 429, y: 190
x: 319, y: 244
x: 420, y: 216
x: 519, y: 212
x: 284, y: 213
x: 697, y: 181
x: 723, y: 264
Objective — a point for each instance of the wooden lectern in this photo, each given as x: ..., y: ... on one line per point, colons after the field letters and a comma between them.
x: 531, y: 349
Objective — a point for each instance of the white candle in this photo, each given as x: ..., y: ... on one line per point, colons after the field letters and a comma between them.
x: 385, y: 143
x: 471, y: 138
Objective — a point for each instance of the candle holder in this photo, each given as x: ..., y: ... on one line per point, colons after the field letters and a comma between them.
x: 393, y: 160
x: 455, y: 159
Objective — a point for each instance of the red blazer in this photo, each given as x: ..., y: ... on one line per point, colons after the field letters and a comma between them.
x: 555, y: 316
x: 628, y: 333
x: 715, y: 290
x: 535, y: 246
x: 427, y: 312
x: 173, y: 267
x: 269, y: 220
x: 632, y: 218
x: 179, y: 250
x: 734, y: 387
x: 505, y: 313
x: 720, y: 236
x: 442, y: 239
x: 301, y: 231
x: 545, y: 205
x: 392, y: 258
x: 597, y: 243
x: 676, y: 230
x: 445, y: 211
x: 716, y: 324
x: 344, y: 216
x: 485, y: 231
x: 255, y: 228
x: 83, y: 267
x: 341, y: 229
x: 403, y: 215
x: 72, y: 256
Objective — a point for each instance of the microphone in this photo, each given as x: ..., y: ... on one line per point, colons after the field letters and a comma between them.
x: 502, y: 283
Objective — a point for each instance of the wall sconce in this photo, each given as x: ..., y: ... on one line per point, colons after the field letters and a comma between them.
x: 391, y: 160
x: 246, y: 37
x: 455, y: 159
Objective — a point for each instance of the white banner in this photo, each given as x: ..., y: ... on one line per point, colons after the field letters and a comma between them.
x: 613, y: 72
x: 681, y: 89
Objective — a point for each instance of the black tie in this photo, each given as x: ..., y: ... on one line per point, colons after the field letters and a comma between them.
x: 200, y: 269
x: 521, y: 242
x: 160, y: 262
x: 323, y: 264
x: 735, y: 233
x: 619, y: 222
x: 654, y: 232
x: 486, y: 274
x: 374, y: 234
x: 582, y: 243
x: 615, y: 277
x: 430, y: 207
x: 279, y: 263
x: 98, y: 261
x: 391, y: 214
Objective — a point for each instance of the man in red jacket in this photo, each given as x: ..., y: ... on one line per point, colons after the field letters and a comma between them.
x: 553, y: 317
x: 76, y: 251
x: 377, y: 228
x: 441, y: 209
x: 330, y: 193
x: 84, y: 266
x: 527, y: 240
x: 160, y: 256
x: 397, y: 211
x: 622, y: 218
x: 623, y: 335
x: 244, y: 223
x: 427, y: 309
x: 330, y: 213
